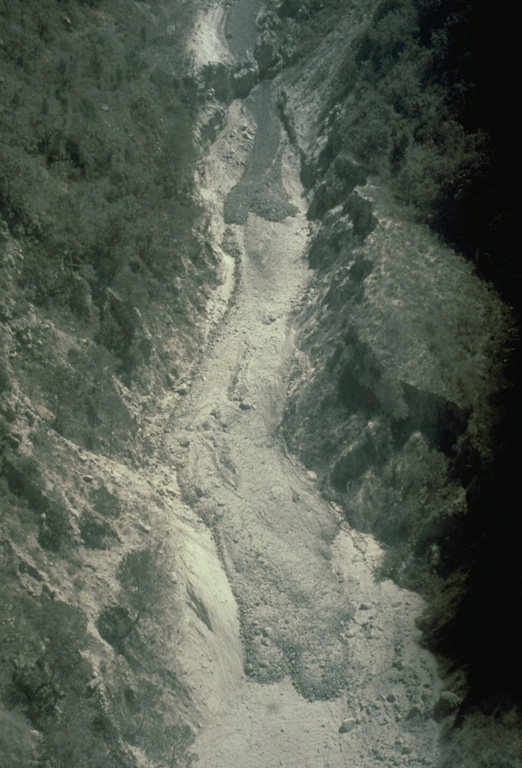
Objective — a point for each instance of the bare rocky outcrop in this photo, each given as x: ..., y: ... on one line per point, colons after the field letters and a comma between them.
x: 400, y: 381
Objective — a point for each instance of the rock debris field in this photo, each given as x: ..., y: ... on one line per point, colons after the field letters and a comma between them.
x: 329, y: 671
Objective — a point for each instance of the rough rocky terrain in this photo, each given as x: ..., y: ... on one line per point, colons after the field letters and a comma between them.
x: 215, y: 604
x: 332, y: 671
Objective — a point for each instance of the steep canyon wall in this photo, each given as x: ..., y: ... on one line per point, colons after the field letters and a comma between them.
x: 404, y: 391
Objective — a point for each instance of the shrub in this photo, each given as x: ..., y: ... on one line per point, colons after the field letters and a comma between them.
x: 55, y: 527
x: 140, y: 576
x: 5, y: 377
x: 105, y: 502
x: 42, y: 641
x: 115, y: 623
x: 95, y: 533
x: 17, y: 740
x: 485, y: 742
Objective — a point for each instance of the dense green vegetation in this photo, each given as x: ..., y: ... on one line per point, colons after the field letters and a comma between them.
x: 421, y: 121
x: 417, y: 103
x: 96, y: 159
x: 95, y: 139
x: 102, y: 281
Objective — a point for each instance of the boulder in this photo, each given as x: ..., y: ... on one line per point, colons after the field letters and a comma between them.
x: 347, y: 725
x: 446, y: 706
x: 244, y: 81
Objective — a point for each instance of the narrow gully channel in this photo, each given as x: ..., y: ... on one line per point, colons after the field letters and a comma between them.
x: 333, y: 672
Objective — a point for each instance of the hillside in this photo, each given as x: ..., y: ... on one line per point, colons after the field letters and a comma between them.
x: 259, y: 386
x: 405, y: 391
x: 106, y: 276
